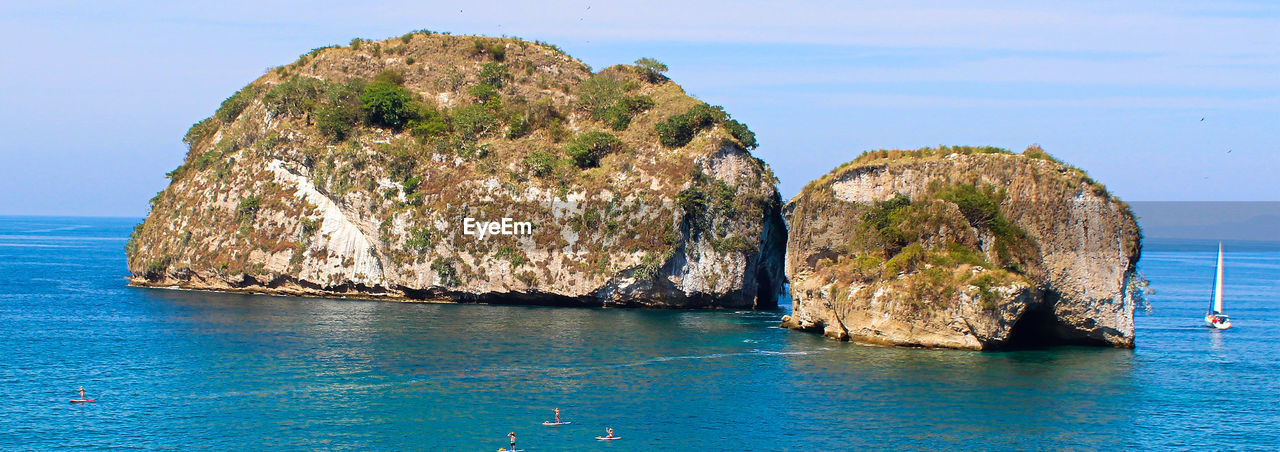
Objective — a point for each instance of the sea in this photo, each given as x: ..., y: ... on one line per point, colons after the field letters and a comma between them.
x: 179, y: 370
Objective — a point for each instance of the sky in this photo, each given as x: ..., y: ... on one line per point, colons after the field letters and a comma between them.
x: 1160, y: 101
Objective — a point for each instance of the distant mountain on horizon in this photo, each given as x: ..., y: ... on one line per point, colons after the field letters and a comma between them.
x: 1248, y: 221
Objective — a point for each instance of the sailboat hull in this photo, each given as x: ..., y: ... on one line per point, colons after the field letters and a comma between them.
x: 1220, y: 322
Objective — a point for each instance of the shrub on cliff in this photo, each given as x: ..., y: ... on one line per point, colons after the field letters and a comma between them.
x: 652, y: 70
x: 541, y: 163
x: 906, y: 260
x: 445, y: 273
x: 429, y: 123
x: 200, y: 131
x: 981, y: 207
x: 390, y: 76
x: 693, y: 201
x: 248, y: 207
x: 495, y: 48
x: 234, y: 105
x: 1036, y: 152
x: 340, y: 112
x: 542, y: 113
x: 519, y: 126
x: 741, y: 133
x: 897, y: 228
x: 420, y: 239
x: 337, y: 121
x: 678, y: 130
x: 386, y: 103
x: 883, y: 219
x: 587, y: 149
x: 707, y: 194
x: 598, y: 93
x: 675, y: 131
x: 494, y: 74
x: 649, y: 266
x: 605, y: 98
x: 473, y: 121
x: 295, y: 96
x: 485, y: 94
x: 618, y: 116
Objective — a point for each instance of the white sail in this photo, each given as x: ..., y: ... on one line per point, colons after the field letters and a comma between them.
x: 1217, y: 284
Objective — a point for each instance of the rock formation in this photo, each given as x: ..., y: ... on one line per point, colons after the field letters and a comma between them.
x: 362, y: 170
x: 973, y: 248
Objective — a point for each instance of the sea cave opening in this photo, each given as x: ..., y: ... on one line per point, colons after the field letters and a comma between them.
x: 1037, y: 328
x: 766, y: 295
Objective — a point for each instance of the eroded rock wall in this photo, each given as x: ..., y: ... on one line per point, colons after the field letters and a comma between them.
x: 1073, y: 285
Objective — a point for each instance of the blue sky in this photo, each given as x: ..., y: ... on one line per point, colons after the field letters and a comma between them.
x: 98, y: 96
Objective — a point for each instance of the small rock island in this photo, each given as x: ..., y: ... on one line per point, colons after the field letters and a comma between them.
x: 472, y: 169
x: 961, y: 247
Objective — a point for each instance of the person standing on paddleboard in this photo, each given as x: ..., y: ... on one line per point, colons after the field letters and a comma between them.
x: 608, y: 432
x: 512, y: 435
x: 81, y: 392
x: 557, y: 411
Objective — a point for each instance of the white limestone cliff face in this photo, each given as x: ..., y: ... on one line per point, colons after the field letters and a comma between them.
x: 339, y: 240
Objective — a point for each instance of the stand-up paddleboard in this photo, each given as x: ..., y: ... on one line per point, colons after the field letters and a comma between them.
x: 83, y: 400
x: 553, y: 424
x: 503, y: 449
x: 608, y: 438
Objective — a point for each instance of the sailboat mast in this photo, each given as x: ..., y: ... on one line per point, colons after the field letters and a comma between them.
x: 1217, y: 284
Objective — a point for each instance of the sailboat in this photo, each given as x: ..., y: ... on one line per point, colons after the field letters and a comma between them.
x: 1215, y: 318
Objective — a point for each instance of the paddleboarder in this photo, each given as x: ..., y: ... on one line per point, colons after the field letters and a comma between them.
x: 557, y: 411
x: 81, y: 392
x: 512, y: 435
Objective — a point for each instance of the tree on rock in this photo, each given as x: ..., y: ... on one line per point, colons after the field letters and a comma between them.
x: 386, y: 103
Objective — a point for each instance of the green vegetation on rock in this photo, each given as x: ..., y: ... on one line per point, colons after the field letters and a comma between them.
x: 295, y: 96
x: 906, y: 234
x: 231, y: 108
x: 587, y: 149
x: 679, y: 130
x: 200, y: 131
x: 652, y: 70
x: 340, y: 112
x: 386, y: 103
x: 248, y: 208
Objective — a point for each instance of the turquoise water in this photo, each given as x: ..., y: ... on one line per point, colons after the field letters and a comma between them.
x: 177, y: 369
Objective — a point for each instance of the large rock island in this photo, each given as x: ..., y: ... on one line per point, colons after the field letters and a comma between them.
x: 972, y: 248
x: 431, y: 166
